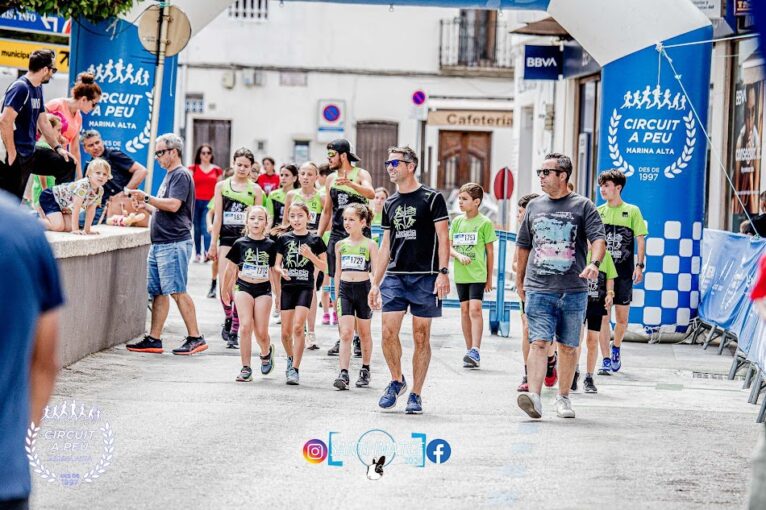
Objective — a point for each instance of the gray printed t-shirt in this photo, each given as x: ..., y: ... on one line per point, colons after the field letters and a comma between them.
x: 556, y: 233
x: 169, y: 227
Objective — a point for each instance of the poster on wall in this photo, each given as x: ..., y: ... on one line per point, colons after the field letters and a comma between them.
x: 748, y: 132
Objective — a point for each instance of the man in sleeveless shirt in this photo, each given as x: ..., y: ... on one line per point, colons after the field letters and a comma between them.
x: 346, y: 185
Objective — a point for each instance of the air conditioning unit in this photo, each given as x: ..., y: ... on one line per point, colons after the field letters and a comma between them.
x: 228, y: 79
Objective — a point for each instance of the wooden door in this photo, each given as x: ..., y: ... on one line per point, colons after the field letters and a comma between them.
x: 373, y: 139
x: 216, y: 133
x: 464, y: 156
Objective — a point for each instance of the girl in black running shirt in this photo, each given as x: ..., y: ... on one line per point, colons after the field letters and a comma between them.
x: 299, y: 252
x: 252, y: 258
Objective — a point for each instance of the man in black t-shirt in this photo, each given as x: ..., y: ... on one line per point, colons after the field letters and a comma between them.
x: 19, y: 122
x: 126, y: 172
x: 171, y: 249
x: 411, y: 272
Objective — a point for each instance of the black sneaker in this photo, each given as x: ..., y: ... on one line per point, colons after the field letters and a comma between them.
x: 342, y: 381
x: 357, y: 347
x: 574, y: 380
x: 148, y: 344
x: 226, y: 329
x: 589, y: 386
x: 364, y: 378
x: 211, y: 292
x: 191, y: 346
x: 232, y: 342
x: 334, y: 350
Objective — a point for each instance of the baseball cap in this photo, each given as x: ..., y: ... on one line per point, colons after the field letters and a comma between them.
x: 342, y: 145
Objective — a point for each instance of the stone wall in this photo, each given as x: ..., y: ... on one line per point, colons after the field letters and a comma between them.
x: 104, y: 279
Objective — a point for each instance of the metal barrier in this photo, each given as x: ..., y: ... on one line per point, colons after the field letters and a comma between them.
x: 500, y: 308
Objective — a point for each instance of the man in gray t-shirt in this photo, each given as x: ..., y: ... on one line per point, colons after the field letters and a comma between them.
x: 552, y: 246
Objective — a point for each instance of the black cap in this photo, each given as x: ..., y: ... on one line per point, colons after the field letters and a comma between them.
x: 342, y: 145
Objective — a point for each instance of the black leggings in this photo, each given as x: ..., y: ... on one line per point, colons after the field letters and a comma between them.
x: 43, y: 161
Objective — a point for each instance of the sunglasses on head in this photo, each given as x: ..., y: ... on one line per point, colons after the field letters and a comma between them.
x: 394, y: 163
x: 544, y: 172
x: 161, y: 152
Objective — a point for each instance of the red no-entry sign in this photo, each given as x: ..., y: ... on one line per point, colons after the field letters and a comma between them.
x: 503, y: 185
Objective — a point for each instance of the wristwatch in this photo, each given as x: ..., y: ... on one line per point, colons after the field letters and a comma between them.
x: 641, y: 265
x: 596, y: 263
x: 146, y: 198
x: 444, y: 270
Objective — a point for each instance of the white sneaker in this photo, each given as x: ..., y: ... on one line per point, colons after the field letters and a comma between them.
x: 311, y: 341
x: 275, y: 313
x: 564, y: 407
x: 530, y: 404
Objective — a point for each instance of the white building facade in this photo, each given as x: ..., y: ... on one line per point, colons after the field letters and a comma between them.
x: 283, y: 80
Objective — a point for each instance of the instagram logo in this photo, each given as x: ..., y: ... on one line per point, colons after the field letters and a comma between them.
x: 315, y: 451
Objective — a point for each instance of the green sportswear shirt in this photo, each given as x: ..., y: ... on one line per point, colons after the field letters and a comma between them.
x: 469, y: 237
x: 622, y: 224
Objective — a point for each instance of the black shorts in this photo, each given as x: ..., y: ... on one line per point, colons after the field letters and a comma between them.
x: 293, y: 297
x: 227, y: 241
x: 320, y: 279
x: 254, y: 289
x: 352, y: 300
x: 48, y: 203
x: 331, y: 254
x: 623, y: 289
x: 593, y: 315
x: 468, y: 291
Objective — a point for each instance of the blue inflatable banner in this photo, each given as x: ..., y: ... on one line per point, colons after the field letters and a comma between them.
x: 730, y: 262
x: 125, y: 72
x: 650, y: 132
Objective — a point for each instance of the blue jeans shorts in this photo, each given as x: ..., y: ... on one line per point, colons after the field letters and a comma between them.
x: 416, y: 291
x: 168, y: 267
x: 556, y: 316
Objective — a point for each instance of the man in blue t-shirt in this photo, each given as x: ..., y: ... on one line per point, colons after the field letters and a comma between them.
x: 19, y: 122
x: 171, y: 249
x: 29, y: 331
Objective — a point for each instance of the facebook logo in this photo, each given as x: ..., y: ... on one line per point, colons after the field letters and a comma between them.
x: 438, y: 451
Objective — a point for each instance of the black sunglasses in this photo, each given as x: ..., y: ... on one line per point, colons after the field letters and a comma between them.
x: 54, y: 70
x: 544, y: 172
x: 160, y: 153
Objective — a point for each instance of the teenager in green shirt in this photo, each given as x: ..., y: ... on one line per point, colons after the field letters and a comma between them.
x: 471, y: 236
x: 625, y: 227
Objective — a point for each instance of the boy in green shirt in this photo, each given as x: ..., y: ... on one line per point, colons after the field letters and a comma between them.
x: 600, y: 296
x: 471, y: 236
x: 624, y: 224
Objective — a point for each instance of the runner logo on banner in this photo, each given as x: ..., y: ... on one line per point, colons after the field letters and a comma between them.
x: 119, y: 110
x: 654, y: 131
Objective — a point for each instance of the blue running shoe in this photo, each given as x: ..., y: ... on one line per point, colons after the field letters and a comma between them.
x: 471, y: 359
x: 616, y: 363
x: 394, y: 390
x: 414, y: 404
x: 606, y: 367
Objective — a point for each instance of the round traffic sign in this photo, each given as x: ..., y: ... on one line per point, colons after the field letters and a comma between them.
x: 419, y: 97
x: 503, y: 185
x: 331, y: 113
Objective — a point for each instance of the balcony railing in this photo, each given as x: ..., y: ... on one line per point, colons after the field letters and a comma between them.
x: 472, y: 45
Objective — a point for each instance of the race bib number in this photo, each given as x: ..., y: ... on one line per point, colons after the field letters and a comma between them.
x: 353, y: 262
x: 233, y: 218
x: 465, y: 239
x: 312, y: 217
x: 256, y: 272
